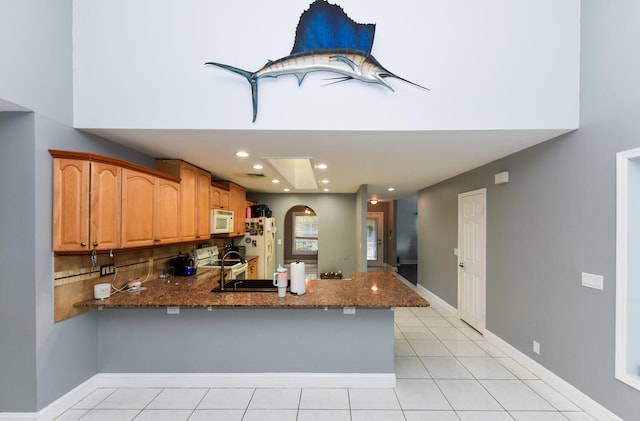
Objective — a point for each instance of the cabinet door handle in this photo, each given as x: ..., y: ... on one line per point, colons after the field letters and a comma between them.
x: 83, y: 244
x: 157, y: 240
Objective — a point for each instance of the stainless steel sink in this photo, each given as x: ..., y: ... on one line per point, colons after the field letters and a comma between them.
x: 248, y: 285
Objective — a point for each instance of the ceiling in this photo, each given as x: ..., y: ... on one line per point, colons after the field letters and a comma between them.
x: 404, y: 160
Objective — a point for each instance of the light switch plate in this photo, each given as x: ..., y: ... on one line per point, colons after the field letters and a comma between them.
x: 590, y: 280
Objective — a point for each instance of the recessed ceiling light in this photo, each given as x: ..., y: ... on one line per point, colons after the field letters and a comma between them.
x: 391, y: 189
x: 325, y: 181
x: 258, y: 167
x: 321, y: 166
x: 275, y: 181
x: 325, y: 190
x: 286, y: 189
x: 242, y: 154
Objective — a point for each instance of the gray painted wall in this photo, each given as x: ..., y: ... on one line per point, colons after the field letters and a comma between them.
x: 17, y: 231
x: 554, y: 220
x: 407, y: 228
x: 246, y: 341
x: 337, y: 249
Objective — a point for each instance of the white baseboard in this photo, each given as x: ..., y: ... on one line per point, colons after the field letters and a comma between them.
x: 249, y: 380
x: 205, y: 380
x: 57, y: 407
x: 436, y: 301
x: 574, y: 394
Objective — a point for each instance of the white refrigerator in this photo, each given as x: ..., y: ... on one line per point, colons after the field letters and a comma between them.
x: 259, y: 240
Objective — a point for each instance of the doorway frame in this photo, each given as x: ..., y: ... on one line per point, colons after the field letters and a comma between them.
x: 482, y: 300
x: 627, y: 268
x: 379, y: 262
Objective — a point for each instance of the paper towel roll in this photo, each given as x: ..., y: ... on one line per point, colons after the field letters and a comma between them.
x: 298, y: 284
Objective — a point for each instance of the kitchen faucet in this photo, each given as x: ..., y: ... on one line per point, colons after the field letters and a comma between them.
x: 222, y: 267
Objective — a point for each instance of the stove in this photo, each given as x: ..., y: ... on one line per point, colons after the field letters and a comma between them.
x: 207, y: 257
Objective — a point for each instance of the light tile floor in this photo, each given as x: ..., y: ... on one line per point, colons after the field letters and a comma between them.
x: 445, y: 371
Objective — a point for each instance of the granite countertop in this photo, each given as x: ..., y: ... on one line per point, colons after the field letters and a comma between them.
x: 364, y: 290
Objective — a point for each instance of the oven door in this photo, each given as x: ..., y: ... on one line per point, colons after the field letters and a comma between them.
x: 239, y: 271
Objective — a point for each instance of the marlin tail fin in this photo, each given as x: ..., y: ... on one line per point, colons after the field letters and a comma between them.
x: 253, y: 81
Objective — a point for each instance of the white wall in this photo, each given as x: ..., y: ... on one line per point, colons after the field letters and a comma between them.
x: 495, y: 64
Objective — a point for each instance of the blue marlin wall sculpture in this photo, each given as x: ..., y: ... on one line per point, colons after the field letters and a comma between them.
x: 326, y: 40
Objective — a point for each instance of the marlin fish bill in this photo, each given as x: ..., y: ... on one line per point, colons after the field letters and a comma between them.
x: 350, y: 63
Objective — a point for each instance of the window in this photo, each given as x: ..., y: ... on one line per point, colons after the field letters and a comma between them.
x: 305, y: 233
x: 628, y: 268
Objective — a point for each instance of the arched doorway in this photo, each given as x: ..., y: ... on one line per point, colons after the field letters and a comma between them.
x: 301, y: 238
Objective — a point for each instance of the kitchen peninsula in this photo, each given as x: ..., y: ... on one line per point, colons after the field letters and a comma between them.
x: 364, y: 290
x: 339, y: 329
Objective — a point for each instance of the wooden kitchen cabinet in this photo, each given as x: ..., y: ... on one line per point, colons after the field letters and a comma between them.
x: 104, y: 203
x: 195, y: 206
x: 167, y: 227
x: 71, y: 179
x: 252, y: 268
x: 203, y: 214
x: 138, y: 205
x: 237, y: 202
x: 150, y: 210
x: 86, y: 205
x: 219, y: 197
x: 106, y: 206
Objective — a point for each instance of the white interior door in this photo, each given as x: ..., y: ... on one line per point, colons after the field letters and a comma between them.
x: 472, y: 258
x: 375, y: 231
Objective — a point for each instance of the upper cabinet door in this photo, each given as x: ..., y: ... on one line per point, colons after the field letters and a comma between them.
x: 70, y: 205
x: 168, y: 212
x: 203, y: 214
x: 138, y: 203
x: 105, y: 206
x: 189, y: 200
x: 219, y: 198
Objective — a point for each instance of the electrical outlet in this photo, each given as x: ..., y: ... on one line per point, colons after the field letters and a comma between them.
x: 173, y: 310
x: 106, y: 270
x: 536, y: 347
x: 349, y: 310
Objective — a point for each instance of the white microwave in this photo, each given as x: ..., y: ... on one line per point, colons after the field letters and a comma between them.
x: 221, y: 221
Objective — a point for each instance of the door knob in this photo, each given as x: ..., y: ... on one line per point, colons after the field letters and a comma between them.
x: 461, y: 264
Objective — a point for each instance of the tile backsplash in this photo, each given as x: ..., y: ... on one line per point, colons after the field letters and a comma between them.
x: 74, y: 276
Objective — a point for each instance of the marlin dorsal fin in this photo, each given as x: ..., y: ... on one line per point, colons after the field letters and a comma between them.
x: 327, y: 26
